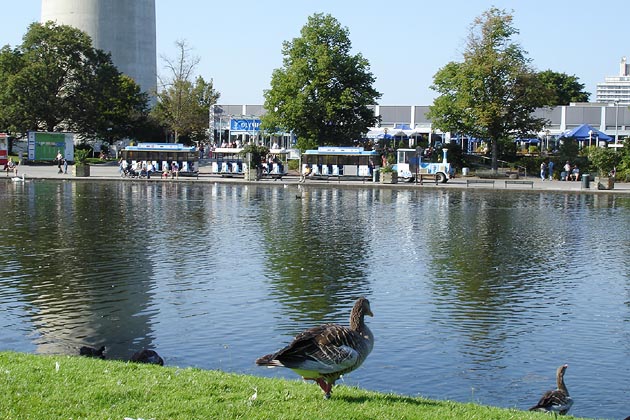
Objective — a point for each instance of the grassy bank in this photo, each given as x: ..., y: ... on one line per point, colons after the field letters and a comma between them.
x: 55, y: 387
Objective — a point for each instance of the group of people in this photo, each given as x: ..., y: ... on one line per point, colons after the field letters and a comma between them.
x: 139, y: 169
x: 271, y: 160
x: 569, y: 172
x: 546, y: 170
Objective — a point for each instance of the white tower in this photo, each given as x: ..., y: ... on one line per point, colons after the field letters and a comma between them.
x: 125, y: 28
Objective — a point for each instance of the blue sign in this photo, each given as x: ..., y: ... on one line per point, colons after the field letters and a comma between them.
x: 244, y: 125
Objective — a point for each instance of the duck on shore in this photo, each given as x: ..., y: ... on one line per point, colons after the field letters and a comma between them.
x: 147, y: 356
x: 92, y: 352
x: 324, y: 353
x: 557, y: 401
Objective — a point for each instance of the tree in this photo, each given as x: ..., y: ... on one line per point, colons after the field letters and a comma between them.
x: 493, y: 92
x: 604, y: 159
x: 322, y: 93
x: 562, y: 89
x: 183, y: 105
x: 55, y: 80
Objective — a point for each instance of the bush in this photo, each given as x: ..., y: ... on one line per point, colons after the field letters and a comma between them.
x: 604, y: 159
x: 81, y: 156
x: 258, y: 154
x: 293, y: 164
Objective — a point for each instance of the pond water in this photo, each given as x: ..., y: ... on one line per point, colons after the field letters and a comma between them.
x: 477, y: 295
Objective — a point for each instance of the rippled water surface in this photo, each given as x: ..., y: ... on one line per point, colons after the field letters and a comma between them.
x: 477, y: 295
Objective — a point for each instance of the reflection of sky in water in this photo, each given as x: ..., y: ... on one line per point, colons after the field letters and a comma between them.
x: 477, y: 296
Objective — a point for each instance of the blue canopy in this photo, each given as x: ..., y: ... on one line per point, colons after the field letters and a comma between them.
x: 581, y: 132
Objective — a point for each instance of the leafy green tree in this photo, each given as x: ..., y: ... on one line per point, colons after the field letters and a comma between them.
x: 623, y: 170
x: 493, y: 92
x: 604, y: 159
x: 56, y: 80
x: 562, y: 89
x: 322, y: 93
x: 183, y: 105
x: 121, y: 108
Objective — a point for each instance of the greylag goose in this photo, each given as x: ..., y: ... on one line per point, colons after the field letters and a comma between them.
x: 147, y: 356
x: 324, y: 353
x: 92, y: 352
x: 558, y: 400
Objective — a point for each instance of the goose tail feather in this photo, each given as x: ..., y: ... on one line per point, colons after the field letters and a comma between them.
x: 268, y: 360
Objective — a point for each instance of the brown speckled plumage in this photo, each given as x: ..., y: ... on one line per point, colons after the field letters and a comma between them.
x: 326, y: 352
x: 558, y: 400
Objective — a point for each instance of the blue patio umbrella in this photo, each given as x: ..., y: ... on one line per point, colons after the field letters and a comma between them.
x: 585, y: 132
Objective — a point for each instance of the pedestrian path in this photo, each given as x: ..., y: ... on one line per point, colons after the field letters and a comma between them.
x: 110, y: 171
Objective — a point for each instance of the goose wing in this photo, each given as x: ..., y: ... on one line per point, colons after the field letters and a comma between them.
x: 552, y: 401
x: 329, y: 348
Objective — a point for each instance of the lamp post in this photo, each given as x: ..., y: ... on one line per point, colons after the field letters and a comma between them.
x: 547, y: 140
x: 418, y: 157
x: 590, y: 137
x: 220, y: 130
x: 616, y: 122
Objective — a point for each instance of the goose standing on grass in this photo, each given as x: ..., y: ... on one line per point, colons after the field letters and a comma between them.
x: 322, y: 354
x: 557, y: 401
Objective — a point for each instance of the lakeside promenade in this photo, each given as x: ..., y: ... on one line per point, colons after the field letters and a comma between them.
x: 110, y: 172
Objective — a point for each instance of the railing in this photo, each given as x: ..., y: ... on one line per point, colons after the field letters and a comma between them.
x: 504, y: 166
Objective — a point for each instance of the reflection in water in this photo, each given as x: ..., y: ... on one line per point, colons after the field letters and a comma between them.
x: 316, y: 257
x: 69, y: 256
x: 477, y: 295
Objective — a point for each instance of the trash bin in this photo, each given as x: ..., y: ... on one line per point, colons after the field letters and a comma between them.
x: 586, y: 180
x: 465, y: 171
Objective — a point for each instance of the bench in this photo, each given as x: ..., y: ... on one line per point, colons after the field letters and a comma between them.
x: 339, y: 178
x: 275, y: 177
x: 432, y: 177
x: 189, y: 173
x: 518, y: 182
x: 354, y: 178
x: 470, y: 182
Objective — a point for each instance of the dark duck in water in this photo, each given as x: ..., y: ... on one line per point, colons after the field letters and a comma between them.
x: 324, y: 353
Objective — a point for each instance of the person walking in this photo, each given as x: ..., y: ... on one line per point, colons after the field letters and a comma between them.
x: 543, y: 170
x: 59, y: 161
x: 550, y: 170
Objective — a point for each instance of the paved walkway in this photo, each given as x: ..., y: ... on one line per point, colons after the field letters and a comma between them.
x: 110, y: 172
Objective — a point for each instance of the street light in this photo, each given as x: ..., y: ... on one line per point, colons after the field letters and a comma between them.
x: 418, y: 160
x: 616, y: 122
x: 547, y: 132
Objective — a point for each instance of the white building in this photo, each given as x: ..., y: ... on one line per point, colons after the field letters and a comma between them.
x: 616, y: 89
x: 612, y: 119
x: 125, y: 28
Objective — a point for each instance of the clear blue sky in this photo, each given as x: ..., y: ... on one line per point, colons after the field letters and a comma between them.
x: 405, y: 41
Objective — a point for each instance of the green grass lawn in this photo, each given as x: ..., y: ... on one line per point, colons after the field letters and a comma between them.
x: 73, y: 387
